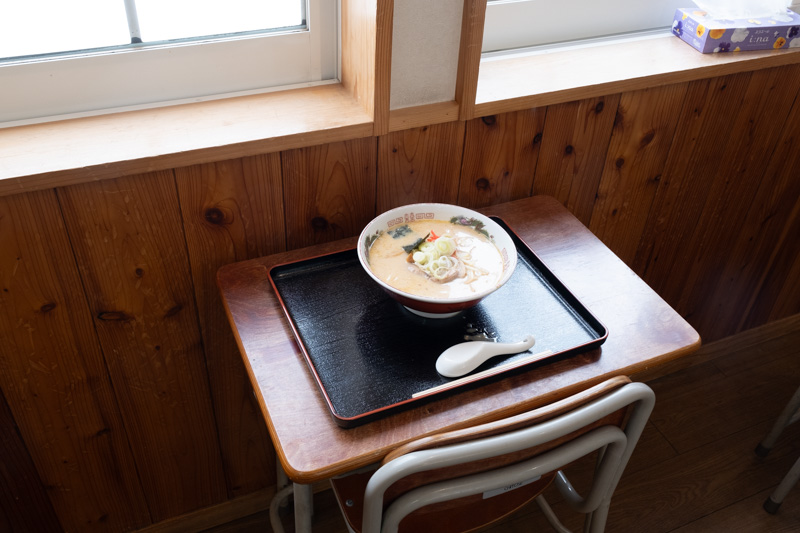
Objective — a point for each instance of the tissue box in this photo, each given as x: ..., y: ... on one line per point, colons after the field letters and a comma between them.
x: 711, y: 35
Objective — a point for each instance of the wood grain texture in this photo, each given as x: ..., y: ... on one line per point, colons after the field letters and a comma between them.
x: 524, y: 81
x: 662, y: 490
x: 500, y: 154
x: 57, y: 154
x: 24, y: 505
x: 424, y: 115
x: 469, y: 56
x: 365, y: 41
x: 232, y: 210
x: 786, y: 301
x: 329, y: 191
x: 383, y: 65
x: 574, y: 146
x: 130, y: 248
x: 300, y: 422
x: 640, y: 142
x: 765, y: 261
x: 709, y: 109
x: 749, y: 278
x: 419, y: 165
x: 712, y: 185
x: 54, y: 378
x: 719, y: 467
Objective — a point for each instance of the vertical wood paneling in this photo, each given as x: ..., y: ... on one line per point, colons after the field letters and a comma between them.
x: 329, y: 191
x: 779, y: 293
x: 694, y: 185
x: 500, y: 154
x: 131, y: 252
x: 640, y: 141
x: 232, y: 211
x: 53, y: 376
x: 709, y: 109
x: 420, y: 165
x: 24, y: 505
x: 758, y: 281
x: 717, y: 181
x: 574, y: 146
x: 787, y: 302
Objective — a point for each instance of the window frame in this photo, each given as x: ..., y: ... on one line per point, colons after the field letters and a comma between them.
x: 153, y: 75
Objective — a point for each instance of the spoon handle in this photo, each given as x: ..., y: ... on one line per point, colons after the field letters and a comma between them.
x: 463, y: 358
x: 502, y: 348
x: 485, y: 373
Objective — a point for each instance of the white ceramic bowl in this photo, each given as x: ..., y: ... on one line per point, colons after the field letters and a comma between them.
x: 427, y: 306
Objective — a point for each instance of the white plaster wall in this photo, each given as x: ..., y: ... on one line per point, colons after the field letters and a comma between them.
x: 425, y: 42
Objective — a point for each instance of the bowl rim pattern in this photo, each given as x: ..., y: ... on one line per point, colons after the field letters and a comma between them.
x: 428, y: 211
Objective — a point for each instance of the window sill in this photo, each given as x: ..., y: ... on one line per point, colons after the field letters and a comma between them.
x: 62, y: 153
x: 523, y: 82
x: 56, y: 154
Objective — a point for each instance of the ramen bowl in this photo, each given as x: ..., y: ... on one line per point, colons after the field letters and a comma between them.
x: 397, y: 221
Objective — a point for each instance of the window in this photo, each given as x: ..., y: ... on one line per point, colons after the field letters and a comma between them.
x: 85, y: 56
x: 514, y: 24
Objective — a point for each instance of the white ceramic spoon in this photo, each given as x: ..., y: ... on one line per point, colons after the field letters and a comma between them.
x: 465, y: 357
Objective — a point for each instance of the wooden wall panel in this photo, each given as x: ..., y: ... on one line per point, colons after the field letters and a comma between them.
x: 787, y: 301
x: 708, y: 112
x: 640, y: 141
x: 329, y: 191
x: 232, y: 211
x: 574, y: 145
x: 694, y: 185
x: 53, y: 376
x: 760, y: 280
x: 718, y: 181
x: 779, y: 293
x: 500, y: 153
x: 131, y: 252
x: 420, y: 165
x: 24, y: 505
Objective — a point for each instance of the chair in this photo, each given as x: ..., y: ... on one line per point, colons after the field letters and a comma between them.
x: 789, y: 415
x: 464, y: 479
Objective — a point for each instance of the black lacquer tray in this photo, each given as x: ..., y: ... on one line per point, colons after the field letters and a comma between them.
x: 371, y: 356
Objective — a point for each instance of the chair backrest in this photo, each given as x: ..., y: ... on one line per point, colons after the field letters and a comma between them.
x: 484, y: 466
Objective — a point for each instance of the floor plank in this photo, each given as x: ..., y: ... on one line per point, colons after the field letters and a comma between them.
x: 744, y: 515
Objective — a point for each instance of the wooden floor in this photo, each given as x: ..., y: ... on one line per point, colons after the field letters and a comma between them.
x: 694, y: 469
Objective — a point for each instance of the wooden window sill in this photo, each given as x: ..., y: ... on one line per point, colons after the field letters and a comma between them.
x: 73, y: 151
x: 516, y: 83
x: 78, y: 150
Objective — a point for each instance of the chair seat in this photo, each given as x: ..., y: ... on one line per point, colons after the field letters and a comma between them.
x: 447, y: 517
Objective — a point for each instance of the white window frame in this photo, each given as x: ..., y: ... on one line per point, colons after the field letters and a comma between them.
x: 516, y: 24
x: 166, y: 74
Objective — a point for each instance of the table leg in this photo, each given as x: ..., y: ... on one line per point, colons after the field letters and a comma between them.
x: 282, y: 482
x: 303, y: 507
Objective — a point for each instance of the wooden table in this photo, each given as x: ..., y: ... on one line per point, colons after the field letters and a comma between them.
x: 644, y: 331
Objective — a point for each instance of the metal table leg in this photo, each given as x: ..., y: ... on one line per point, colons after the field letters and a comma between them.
x: 303, y: 507
x: 303, y: 504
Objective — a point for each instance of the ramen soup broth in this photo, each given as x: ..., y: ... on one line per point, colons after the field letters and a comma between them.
x: 483, y: 261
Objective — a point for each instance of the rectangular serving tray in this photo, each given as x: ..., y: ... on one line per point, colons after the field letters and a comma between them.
x: 370, y: 356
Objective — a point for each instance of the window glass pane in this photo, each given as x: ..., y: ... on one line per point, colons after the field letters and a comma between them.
x: 274, y: 43
x: 161, y: 20
x: 513, y: 24
x: 29, y: 27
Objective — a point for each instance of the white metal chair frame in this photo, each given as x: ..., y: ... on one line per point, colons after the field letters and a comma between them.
x: 615, y: 445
